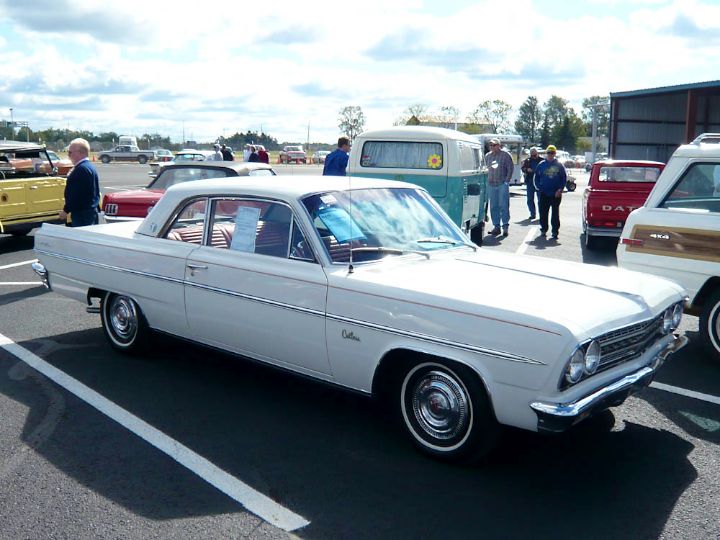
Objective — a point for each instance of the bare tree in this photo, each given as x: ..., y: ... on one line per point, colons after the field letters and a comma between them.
x: 450, y: 115
x: 495, y: 112
x: 351, y: 121
x: 414, y: 114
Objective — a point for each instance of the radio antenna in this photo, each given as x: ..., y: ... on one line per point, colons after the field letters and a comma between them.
x: 351, y: 269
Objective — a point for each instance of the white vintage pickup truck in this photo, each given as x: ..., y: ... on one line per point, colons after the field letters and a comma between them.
x: 367, y: 284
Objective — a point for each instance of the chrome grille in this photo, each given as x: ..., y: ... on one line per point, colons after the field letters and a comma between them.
x: 628, y: 343
x: 111, y: 209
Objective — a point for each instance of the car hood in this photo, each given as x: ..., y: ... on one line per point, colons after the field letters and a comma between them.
x: 135, y: 196
x: 585, y: 299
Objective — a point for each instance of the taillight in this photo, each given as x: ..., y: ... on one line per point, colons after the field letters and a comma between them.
x: 631, y: 241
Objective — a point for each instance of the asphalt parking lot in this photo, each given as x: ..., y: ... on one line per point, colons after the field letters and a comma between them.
x: 319, y: 463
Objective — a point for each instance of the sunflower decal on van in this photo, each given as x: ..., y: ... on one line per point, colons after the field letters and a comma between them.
x: 434, y: 161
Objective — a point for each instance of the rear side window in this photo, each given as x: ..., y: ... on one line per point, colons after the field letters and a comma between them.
x: 698, y: 189
x: 189, y: 225
x: 402, y: 155
x: 170, y: 177
x: 629, y: 174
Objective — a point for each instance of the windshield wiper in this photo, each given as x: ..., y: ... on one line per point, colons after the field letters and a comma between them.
x: 390, y: 251
x: 444, y: 240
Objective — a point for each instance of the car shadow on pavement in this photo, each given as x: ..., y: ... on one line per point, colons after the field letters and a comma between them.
x: 337, y: 459
x: 11, y: 244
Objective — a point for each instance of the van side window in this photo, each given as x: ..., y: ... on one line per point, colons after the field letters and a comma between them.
x: 698, y: 189
x: 469, y: 157
x: 402, y: 155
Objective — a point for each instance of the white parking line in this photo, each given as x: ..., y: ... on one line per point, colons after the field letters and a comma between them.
x: 9, y: 283
x: 687, y: 393
x: 254, y: 501
x: 529, y: 237
x: 13, y: 265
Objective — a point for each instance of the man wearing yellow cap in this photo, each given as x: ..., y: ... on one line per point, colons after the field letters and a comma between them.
x: 550, y: 180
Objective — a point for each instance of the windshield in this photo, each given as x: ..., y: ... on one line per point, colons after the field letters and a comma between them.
x: 380, y: 222
x: 177, y: 175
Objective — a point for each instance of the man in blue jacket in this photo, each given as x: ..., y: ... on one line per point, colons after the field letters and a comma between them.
x: 550, y: 180
x: 82, y: 189
x: 337, y: 160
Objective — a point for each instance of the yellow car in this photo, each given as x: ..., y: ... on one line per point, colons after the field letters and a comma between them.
x: 29, y: 197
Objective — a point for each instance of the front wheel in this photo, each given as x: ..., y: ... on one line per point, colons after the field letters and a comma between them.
x: 105, y: 159
x: 570, y: 186
x: 710, y: 324
x: 123, y: 323
x: 142, y: 160
x: 477, y: 233
x: 446, y: 412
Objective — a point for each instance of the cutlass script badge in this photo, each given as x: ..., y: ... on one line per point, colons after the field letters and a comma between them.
x: 350, y: 335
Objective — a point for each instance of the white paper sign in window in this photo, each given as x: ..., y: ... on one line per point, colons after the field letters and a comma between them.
x: 246, y: 222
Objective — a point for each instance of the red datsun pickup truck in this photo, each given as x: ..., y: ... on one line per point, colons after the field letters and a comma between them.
x: 615, y: 188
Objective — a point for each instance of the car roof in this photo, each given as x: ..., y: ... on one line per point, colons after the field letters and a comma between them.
x: 287, y: 188
x: 13, y: 146
x: 420, y: 133
x: 629, y: 162
x: 237, y: 166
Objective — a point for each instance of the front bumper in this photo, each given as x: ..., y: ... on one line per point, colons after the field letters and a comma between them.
x: 556, y: 417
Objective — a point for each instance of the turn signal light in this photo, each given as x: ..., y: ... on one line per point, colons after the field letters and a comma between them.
x: 631, y: 241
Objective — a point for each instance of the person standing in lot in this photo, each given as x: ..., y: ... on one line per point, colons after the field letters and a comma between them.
x: 82, y: 188
x: 263, y: 155
x: 253, y: 158
x: 226, y: 153
x: 500, y: 170
x: 337, y: 160
x: 528, y: 169
x: 550, y: 180
x: 217, y: 156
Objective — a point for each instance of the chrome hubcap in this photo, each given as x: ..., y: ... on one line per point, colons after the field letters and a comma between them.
x: 440, y: 405
x: 123, y: 318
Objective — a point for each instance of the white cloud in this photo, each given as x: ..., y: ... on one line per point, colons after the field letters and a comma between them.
x: 142, y: 66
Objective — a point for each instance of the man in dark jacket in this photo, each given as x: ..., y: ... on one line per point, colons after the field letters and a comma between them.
x: 226, y: 153
x: 82, y: 189
x: 337, y: 160
x: 550, y: 180
x: 528, y: 168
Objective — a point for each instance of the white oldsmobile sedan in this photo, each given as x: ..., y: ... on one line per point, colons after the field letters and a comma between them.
x: 367, y: 284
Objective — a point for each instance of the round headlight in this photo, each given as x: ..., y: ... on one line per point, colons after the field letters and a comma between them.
x: 677, y: 316
x: 667, y: 321
x: 592, y: 357
x: 575, y: 367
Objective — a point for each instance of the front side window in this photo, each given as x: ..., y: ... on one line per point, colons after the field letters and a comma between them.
x: 698, y: 189
x: 402, y: 155
x: 375, y: 223
x: 172, y: 176
x: 629, y: 174
x: 189, y: 225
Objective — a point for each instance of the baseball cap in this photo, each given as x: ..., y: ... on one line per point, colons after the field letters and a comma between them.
x: 551, y: 148
x: 494, y: 141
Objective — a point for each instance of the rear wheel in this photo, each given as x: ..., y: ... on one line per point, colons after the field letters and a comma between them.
x: 105, y: 159
x: 142, y: 160
x: 123, y: 322
x: 591, y: 242
x: 710, y: 324
x: 477, y: 232
x: 446, y: 411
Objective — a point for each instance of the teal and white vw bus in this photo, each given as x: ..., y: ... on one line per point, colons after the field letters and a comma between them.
x: 447, y: 163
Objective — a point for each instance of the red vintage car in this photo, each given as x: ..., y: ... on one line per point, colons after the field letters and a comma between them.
x: 135, y: 204
x: 615, y: 188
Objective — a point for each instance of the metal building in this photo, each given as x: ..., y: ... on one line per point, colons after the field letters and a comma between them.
x: 652, y: 123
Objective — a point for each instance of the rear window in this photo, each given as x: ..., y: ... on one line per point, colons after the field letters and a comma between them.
x: 402, y: 155
x: 629, y: 174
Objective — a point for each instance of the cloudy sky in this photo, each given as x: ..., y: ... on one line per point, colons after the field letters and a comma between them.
x: 134, y: 66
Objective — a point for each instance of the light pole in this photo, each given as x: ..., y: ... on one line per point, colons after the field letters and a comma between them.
x: 12, y: 124
x: 595, y: 108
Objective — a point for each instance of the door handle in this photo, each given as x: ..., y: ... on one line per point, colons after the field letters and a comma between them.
x: 197, y: 267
